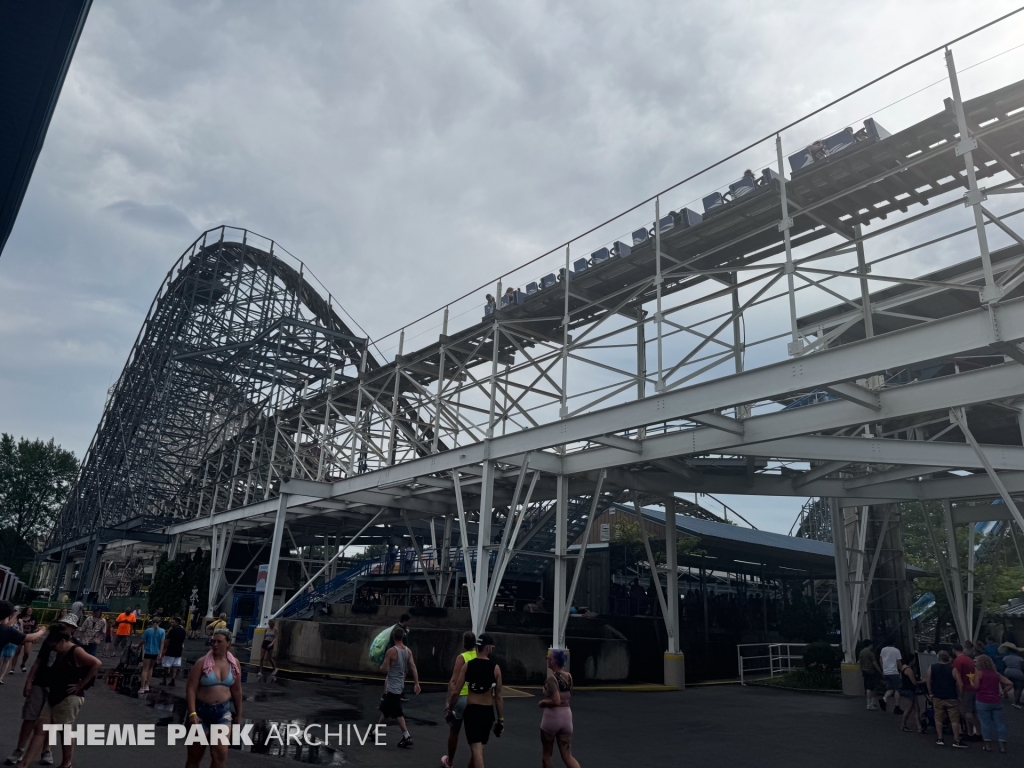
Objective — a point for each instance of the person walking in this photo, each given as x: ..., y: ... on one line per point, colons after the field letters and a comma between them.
x: 78, y: 607
x: 556, y: 722
x: 870, y: 672
x: 1013, y: 669
x: 172, y: 650
x: 28, y: 626
x: 221, y: 622
x: 890, y: 658
x: 35, y: 698
x: 908, y: 697
x: 213, y: 696
x: 963, y: 663
x: 125, y: 622
x: 454, y: 716
x: 92, y: 632
x: 67, y: 679
x: 397, y: 661
x: 482, y: 676
x: 945, y: 686
x: 990, y: 687
x: 8, y: 650
x: 152, y: 645
x: 267, y: 649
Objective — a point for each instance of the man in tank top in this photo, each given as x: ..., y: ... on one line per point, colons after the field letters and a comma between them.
x: 454, y: 715
x: 397, y: 661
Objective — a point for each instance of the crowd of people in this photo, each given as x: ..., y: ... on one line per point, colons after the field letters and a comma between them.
x: 474, y: 703
x: 963, y: 688
x: 68, y: 662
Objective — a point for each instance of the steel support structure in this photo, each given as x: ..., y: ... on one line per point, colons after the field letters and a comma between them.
x: 248, y: 402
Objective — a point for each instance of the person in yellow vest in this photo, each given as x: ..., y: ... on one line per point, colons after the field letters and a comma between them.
x: 454, y: 716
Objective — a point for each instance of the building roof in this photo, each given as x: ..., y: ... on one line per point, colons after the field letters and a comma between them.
x: 37, y: 41
x: 732, y: 548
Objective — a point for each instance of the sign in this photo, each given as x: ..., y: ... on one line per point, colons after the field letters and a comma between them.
x: 606, y: 532
x: 261, y: 577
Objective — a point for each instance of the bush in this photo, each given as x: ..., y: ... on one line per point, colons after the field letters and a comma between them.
x: 821, y: 657
x: 802, y: 619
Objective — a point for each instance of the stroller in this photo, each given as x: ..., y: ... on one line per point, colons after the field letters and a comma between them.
x: 128, y: 672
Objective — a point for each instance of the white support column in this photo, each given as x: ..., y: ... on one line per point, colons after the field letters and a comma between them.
x: 438, y: 399
x: 865, y: 290
x: 974, y: 196
x: 393, y: 436
x: 561, y: 535
x: 795, y: 345
x: 659, y: 385
x: 466, y: 561
x: 595, y: 499
x: 847, y: 633
x: 858, y: 579
x: 563, y: 411
x: 215, y: 536
x: 862, y: 607
x: 672, y: 582
x: 970, y: 580
x: 357, y: 416
x: 275, y: 556
x: 956, y: 581
x: 483, y: 550
x: 445, y: 559
x: 674, y: 661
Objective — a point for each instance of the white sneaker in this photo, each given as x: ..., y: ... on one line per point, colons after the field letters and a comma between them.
x: 46, y: 758
x: 14, y: 757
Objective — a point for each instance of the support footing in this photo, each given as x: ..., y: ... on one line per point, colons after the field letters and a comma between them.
x: 853, y: 681
x: 675, y: 671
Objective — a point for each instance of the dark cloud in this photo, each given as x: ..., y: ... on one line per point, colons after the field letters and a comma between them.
x: 406, y: 151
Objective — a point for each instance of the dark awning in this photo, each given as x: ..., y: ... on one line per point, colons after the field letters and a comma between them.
x: 37, y: 41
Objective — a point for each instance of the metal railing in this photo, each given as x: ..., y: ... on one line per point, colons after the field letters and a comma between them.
x: 768, y: 659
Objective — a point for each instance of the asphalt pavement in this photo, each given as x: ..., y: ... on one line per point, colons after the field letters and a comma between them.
x: 718, y: 725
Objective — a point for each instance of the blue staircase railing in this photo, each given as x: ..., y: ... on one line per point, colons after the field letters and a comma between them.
x: 393, y: 563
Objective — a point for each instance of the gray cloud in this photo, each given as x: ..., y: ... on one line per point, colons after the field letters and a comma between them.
x: 406, y: 151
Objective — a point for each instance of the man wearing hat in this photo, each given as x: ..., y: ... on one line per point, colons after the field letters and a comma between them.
x: 35, y: 695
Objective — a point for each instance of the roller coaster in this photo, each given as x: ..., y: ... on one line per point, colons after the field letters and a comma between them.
x: 249, y: 410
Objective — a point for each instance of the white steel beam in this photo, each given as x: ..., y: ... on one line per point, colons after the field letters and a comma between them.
x: 275, y: 555
x: 946, y: 337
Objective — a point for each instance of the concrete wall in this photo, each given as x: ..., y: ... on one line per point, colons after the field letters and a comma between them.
x: 344, y: 646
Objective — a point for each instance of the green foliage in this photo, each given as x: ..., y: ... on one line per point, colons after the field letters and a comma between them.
x: 822, y: 657
x: 35, y: 479
x: 174, y: 580
x: 627, y: 533
x: 804, y: 620
x: 806, y: 680
x: 998, y: 576
x: 375, y: 550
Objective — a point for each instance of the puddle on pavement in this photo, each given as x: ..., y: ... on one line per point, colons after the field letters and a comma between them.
x: 351, y: 703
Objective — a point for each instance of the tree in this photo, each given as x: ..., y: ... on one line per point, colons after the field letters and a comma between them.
x: 998, y: 573
x: 35, y: 479
x: 170, y: 589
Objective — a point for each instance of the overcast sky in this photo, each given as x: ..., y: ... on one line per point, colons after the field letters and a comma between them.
x: 407, y: 152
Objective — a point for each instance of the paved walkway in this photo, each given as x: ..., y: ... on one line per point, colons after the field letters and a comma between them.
x: 743, y: 726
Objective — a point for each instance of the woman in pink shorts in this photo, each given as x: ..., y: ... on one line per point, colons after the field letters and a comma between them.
x: 556, y: 722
